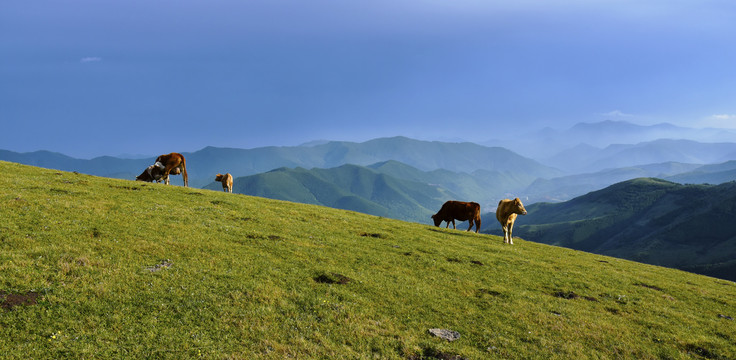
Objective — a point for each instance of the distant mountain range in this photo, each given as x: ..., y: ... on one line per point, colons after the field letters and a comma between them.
x: 202, y: 165
x: 690, y: 227
x: 567, y: 187
x: 707, y: 174
x: 587, y: 158
x: 551, y: 144
x: 464, y: 170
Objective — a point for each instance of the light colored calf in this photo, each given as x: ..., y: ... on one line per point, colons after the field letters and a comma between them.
x: 226, y: 180
x: 506, y: 215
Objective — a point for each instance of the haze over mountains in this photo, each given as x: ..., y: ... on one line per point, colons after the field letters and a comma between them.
x: 553, y: 145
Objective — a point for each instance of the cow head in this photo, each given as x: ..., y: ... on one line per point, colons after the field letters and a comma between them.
x: 145, y: 175
x: 219, y: 177
x: 519, y: 207
x: 437, y: 220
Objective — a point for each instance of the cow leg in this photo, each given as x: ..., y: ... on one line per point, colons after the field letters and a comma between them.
x: 505, y: 234
x: 453, y: 224
x: 511, y: 230
x: 470, y: 221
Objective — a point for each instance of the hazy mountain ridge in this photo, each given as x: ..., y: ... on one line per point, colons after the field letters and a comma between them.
x: 707, y: 174
x: 550, y: 145
x: 689, y: 227
x: 202, y: 165
x: 567, y: 187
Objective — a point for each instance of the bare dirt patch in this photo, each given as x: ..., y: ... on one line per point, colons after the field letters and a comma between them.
x: 569, y: 295
x: 703, y: 351
x: 430, y: 353
x: 482, y: 292
x: 332, y: 278
x: 649, y: 286
x: 373, y: 235
x: 9, y: 301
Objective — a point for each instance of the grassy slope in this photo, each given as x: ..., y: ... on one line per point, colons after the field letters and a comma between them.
x: 242, y: 283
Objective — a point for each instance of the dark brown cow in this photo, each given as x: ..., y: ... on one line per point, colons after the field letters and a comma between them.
x: 226, y: 180
x: 174, y: 164
x: 459, y: 210
x: 506, y: 215
x: 152, y: 173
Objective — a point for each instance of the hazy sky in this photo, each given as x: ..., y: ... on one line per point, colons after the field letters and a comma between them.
x: 106, y: 77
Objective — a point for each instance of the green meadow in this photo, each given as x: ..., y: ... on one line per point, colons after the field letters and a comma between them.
x: 100, y: 268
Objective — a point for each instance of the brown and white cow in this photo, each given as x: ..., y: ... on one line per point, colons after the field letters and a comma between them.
x: 174, y: 164
x: 506, y: 214
x: 226, y: 180
x: 459, y: 210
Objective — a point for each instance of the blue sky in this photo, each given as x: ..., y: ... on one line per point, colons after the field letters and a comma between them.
x: 89, y: 78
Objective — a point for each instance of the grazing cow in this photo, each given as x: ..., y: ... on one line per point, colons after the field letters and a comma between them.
x: 506, y: 215
x: 459, y: 210
x: 152, y: 173
x: 174, y: 164
x: 226, y: 180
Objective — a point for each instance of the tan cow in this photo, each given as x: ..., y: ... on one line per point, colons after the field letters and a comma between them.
x: 174, y: 164
x: 506, y: 215
x: 226, y: 180
x: 459, y: 210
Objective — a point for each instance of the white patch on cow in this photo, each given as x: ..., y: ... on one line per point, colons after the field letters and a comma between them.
x: 159, y: 165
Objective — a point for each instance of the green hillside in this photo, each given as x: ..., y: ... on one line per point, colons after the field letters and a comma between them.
x: 347, y: 187
x: 100, y: 268
x: 690, y: 227
x: 482, y: 186
x: 390, y: 188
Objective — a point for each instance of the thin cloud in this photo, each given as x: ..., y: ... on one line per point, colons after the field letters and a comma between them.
x: 90, y: 59
x: 617, y: 113
x: 722, y: 121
